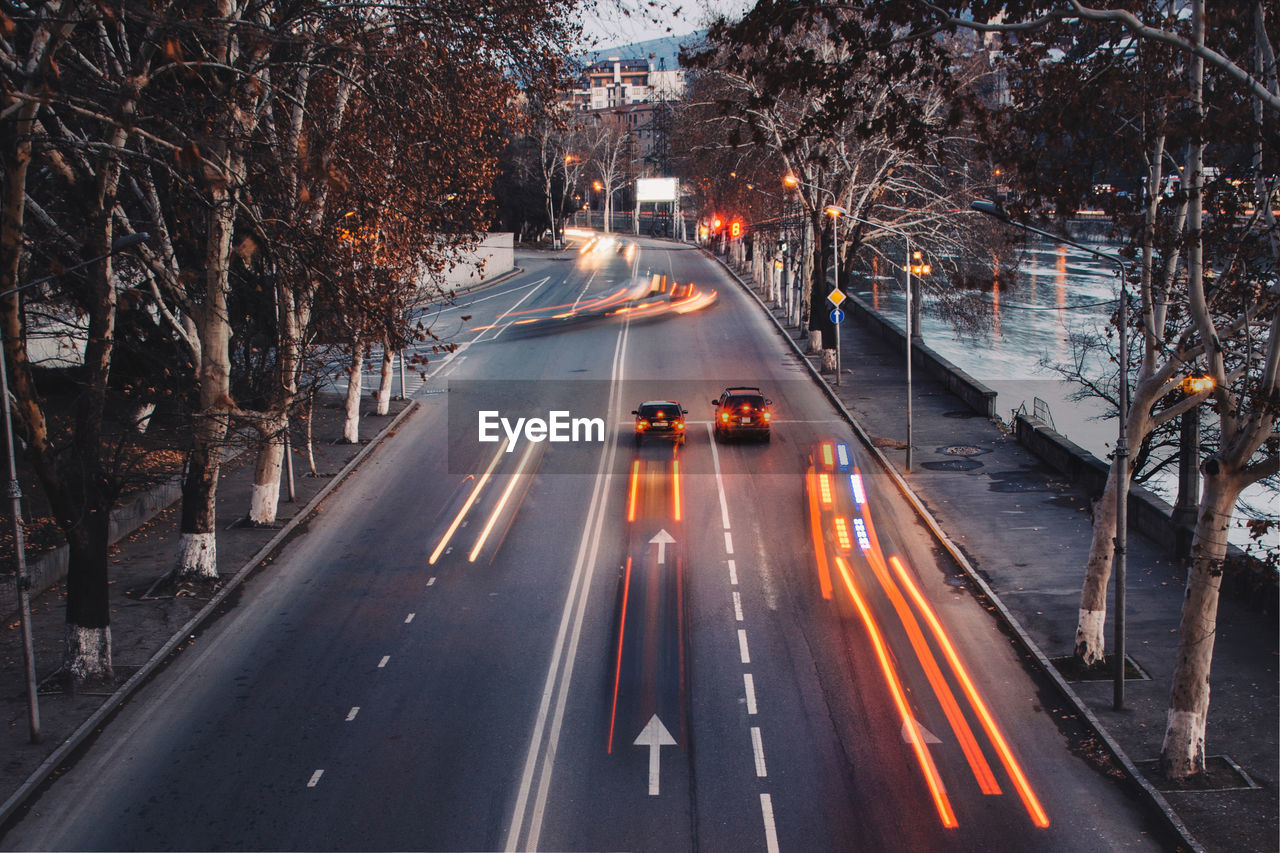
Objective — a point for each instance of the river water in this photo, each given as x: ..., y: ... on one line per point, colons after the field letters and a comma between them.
x: 1060, y: 292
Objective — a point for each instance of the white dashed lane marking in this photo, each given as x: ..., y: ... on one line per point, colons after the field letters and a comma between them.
x: 351, y: 715
x: 315, y: 778
x: 757, y: 747
x: 750, y: 685
x: 382, y: 663
x: 408, y: 618
x: 770, y: 829
x: 742, y: 646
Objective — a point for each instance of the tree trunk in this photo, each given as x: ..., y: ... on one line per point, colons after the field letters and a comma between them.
x: 265, y: 498
x: 1090, y: 636
x: 1182, y: 753
x: 87, y: 648
x: 384, y: 385
x: 197, y: 542
x: 197, y: 550
x: 351, y: 426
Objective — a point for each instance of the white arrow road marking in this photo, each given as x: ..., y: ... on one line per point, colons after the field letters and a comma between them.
x: 663, y: 538
x: 925, y: 735
x: 655, y: 736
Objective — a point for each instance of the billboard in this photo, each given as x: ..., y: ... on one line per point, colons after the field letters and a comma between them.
x: 656, y: 189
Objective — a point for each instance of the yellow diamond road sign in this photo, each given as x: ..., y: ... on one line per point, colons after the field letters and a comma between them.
x: 835, y: 297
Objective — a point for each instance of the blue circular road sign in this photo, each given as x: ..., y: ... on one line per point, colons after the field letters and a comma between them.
x: 837, y: 316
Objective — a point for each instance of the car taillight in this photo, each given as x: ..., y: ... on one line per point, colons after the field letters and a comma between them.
x: 641, y: 426
x: 766, y: 415
x: 679, y: 424
x: 724, y: 417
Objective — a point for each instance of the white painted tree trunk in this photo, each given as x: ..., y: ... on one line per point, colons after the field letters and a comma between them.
x: 198, y: 556
x: 815, y: 341
x: 384, y: 385
x: 828, y: 361
x: 351, y: 427
x: 1182, y: 753
x: 1091, y: 642
x: 88, y: 654
x: 265, y: 497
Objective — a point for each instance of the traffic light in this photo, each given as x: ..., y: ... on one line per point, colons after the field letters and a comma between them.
x: 715, y: 225
x: 735, y: 230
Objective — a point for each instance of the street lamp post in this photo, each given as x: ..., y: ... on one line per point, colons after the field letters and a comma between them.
x: 835, y: 211
x: 992, y: 209
x: 907, y: 237
x: 21, y: 580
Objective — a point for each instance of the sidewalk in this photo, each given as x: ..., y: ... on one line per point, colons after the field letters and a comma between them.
x: 1025, y: 531
x: 141, y: 626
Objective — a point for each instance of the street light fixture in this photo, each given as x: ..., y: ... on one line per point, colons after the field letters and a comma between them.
x: 990, y: 208
x: 21, y: 580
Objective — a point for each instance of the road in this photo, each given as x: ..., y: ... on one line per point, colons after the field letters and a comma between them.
x: 596, y: 645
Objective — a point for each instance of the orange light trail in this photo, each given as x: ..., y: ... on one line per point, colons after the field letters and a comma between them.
x: 675, y: 487
x: 934, y: 782
x: 475, y: 493
x: 502, y: 502
x: 617, y: 669
x: 1029, y: 800
x: 824, y: 486
x: 842, y: 534
x: 955, y: 717
x: 819, y: 544
x: 635, y: 485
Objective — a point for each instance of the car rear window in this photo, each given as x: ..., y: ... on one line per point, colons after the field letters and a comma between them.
x: 659, y: 411
x: 753, y: 401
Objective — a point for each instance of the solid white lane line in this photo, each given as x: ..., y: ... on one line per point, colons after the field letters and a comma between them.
x: 750, y: 684
x: 574, y: 611
x: 737, y: 605
x: 770, y: 830
x: 315, y: 778
x: 351, y: 715
x: 715, y: 461
x: 733, y: 573
x: 408, y: 618
x: 757, y: 747
x: 382, y: 663
x: 742, y: 646
x: 509, y: 310
x: 728, y: 542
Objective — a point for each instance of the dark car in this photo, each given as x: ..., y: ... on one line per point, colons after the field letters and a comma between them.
x: 742, y: 410
x: 660, y: 419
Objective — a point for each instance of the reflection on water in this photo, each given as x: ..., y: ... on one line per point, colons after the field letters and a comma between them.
x: 1060, y: 291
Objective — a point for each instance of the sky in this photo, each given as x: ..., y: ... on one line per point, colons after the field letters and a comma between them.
x: 619, y: 22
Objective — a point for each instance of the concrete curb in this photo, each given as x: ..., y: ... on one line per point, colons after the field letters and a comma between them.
x: 1154, y: 796
x: 122, y: 694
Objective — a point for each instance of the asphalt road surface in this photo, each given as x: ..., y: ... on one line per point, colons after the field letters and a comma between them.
x: 599, y: 645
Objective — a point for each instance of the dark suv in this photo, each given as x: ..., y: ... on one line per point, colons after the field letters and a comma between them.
x: 742, y: 410
x: 660, y: 418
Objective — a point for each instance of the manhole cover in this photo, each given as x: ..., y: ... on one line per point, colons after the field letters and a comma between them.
x: 963, y: 450
x: 953, y: 465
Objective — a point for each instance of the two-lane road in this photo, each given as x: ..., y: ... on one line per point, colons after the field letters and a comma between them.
x: 597, y: 645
